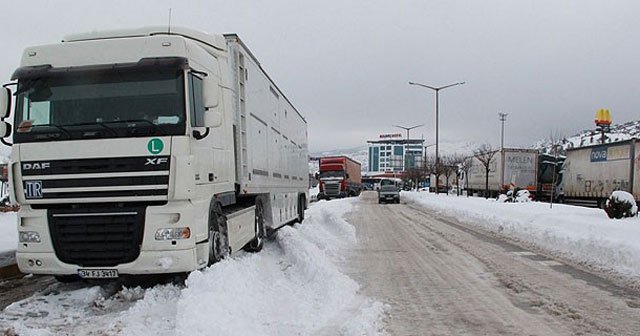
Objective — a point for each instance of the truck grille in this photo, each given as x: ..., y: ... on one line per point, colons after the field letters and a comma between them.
x: 96, y: 238
x: 81, y: 180
x: 332, y: 189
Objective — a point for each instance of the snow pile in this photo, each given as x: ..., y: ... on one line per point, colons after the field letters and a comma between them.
x: 292, y: 287
x: 583, y: 235
x: 8, y: 232
x: 620, y: 196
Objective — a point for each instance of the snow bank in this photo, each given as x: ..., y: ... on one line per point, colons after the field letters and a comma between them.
x: 8, y: 232
x: 583, y: 235
x: 292, y: 287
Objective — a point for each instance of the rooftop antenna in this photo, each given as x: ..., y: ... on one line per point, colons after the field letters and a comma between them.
x: 169, y: 28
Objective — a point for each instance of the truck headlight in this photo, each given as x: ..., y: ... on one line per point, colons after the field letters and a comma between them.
x: 29, y: 237
x: 173, y: 233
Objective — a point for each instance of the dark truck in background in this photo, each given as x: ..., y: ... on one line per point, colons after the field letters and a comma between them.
x: 339, y: 176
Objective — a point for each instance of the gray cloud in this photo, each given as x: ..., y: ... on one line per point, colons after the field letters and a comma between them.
x: 346, y: 64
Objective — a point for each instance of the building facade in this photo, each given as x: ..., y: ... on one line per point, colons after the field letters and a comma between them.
x: 395, y: 155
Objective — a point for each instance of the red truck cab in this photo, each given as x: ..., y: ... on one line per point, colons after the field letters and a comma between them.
x: 339, y: 177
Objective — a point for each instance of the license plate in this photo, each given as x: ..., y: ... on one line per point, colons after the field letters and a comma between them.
x: 97, y: 273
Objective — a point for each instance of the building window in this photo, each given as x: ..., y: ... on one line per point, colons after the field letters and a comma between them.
x: 397, y: 150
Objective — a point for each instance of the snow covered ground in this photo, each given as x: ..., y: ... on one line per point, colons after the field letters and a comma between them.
x: 8, y: 232
x: 295, y: 286
x: 583, y: 235
x: 292, y: 287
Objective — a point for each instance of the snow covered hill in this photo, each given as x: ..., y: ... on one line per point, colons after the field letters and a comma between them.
x: 620, y: 132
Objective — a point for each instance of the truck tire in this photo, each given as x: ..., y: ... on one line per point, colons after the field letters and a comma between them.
x: 301, y: 207
x: 258, y: 241
x: 218, y: 239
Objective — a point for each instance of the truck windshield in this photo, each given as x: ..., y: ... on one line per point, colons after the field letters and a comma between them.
x: 100, y: 105
x: 332, y: 174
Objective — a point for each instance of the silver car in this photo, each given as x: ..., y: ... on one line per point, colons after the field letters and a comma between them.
x: 388, y: 192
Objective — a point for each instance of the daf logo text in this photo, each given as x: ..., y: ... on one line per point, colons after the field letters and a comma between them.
x: 36, y: 165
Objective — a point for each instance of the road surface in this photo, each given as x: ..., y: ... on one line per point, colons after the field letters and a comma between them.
x: 441, y: 277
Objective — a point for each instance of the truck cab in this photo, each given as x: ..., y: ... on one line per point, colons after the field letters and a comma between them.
x: 339, y: 177
x: 134, y: 153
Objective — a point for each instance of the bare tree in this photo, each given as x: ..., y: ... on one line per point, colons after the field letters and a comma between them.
x: 465, y: 167
x: 429, y: 166
x: 413, y: 176
x: 485, y: 154
x: 447, y: 169
x: 457, y: 160
x: 450, y: 166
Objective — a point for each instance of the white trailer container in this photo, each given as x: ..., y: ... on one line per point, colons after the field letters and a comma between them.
x: 147, y: 151
x: 509, y: 168
x: 592, y: 173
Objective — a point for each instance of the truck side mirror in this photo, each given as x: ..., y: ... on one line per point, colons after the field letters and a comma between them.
x: 317, y: 175
x: 347, y: 175
x: 5, y: 102
x: 211, y: 100
x: 210, y: 92
x: 5, y: 129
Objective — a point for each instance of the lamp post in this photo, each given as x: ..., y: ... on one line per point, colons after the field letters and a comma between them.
x: 408, y: 128
x: 427, y: 173
x: 405, y: 163
x: 503, y: 118
x: 437, y: 90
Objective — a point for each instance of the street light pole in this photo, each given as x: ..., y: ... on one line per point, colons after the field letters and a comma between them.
x: 437, y: 90
x: 408, y: 128
x: 503, y: 118
x: 405, y: 161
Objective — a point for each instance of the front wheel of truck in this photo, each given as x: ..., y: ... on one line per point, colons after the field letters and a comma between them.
x: 218, y: 239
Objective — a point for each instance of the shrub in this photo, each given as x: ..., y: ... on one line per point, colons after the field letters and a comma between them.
x: 523, y: 196
x: 621, y: 204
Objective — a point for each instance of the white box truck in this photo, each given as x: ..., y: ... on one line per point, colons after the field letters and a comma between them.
x: 590, y: 174
x: 509, y: 168
x: 149, y: 151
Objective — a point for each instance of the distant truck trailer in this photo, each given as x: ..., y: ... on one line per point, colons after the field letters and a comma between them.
x: 590, y: 174
x: 509, y: 168
x: 340, y: 176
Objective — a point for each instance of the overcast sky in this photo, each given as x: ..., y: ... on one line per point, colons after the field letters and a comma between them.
x: 346, y: 65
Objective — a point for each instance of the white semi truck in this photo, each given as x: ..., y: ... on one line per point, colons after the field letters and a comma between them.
x: 509, y: 168
x: 149, y: 151
x: 590, y: 174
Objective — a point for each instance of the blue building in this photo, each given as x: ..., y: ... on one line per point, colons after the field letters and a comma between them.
x: 395, y: 155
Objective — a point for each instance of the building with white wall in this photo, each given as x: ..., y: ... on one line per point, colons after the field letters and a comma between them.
x: 395, y: 155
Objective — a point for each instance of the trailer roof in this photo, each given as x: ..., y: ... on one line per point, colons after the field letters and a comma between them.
x: 623, y: 142
x: 235, y: 38
x: 216, y: 41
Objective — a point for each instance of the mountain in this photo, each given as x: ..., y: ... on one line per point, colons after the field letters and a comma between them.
x: 620, y: 132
